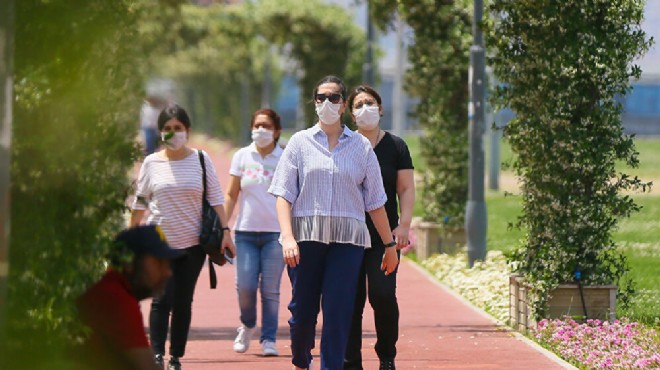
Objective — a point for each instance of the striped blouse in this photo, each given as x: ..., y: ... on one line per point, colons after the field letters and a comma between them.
x: 329, y: 191
x: 172, y: 191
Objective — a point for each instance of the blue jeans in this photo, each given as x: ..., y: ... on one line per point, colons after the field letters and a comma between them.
x: 259, y: 264
x: 151, y: 137
x: 327, y: 276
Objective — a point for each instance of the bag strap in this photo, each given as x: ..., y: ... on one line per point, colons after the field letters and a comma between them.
x: 213, y: 279
x: 202, y: 162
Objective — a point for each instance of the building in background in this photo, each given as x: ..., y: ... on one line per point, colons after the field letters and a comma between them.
x: 641, y: 114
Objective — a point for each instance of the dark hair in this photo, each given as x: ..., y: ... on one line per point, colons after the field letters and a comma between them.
x: 333, y: 80
x: 362, y: 89
x: 173, y: 111
x: 270, y: 114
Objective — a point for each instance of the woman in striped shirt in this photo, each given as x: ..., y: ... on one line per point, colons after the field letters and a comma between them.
x: 170, y: 186
x: 326, y: 180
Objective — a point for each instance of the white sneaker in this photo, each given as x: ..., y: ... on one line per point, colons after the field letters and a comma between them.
x: 268, y: 348
x: 242, y: 341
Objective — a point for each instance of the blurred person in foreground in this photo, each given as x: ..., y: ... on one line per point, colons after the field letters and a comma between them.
x: 140, y: 268
x: 396, y: 168
x: 259, y: 263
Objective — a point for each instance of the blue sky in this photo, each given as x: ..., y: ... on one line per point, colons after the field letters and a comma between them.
x: 650, y: 62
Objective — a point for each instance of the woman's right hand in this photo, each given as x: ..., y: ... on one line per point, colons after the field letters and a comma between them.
x: 290, y: 251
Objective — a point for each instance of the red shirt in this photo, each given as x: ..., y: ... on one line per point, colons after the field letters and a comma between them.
x: 113, y: 313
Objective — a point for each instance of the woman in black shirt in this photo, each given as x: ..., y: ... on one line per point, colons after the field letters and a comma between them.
x: 396, y: 167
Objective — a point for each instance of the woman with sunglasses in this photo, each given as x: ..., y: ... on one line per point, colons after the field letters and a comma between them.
x: 396, y: 168
x: 327, y: 179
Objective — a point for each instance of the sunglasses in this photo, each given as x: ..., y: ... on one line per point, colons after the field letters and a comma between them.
x: 334, y: 98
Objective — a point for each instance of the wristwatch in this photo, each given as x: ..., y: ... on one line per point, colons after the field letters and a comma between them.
x: 225, y: 228
x: 391, y: 244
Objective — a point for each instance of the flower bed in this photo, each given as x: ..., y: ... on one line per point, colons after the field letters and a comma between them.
x: 600, y: 344
x: 591, y: 345
x: 486, y: 284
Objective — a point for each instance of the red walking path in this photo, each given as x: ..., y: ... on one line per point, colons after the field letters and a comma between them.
x: 438, y: 329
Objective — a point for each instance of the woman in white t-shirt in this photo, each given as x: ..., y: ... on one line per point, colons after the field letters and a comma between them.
x: 170, y: 186
x: 259, y: 263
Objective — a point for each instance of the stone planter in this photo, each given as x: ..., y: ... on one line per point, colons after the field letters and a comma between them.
x: 433, y: 238
x: 565, y: 300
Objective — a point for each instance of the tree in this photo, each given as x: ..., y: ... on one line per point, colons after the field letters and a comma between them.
x: 563, y: 65
x: 439, y: 77
x: 78, y: 71
x: 321, y: 38
x: 220, y: 51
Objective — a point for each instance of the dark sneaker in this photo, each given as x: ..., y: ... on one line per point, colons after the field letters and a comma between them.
x: 352, y: 365
x: 387, y: 365
x: 174, y: 364
x: 160, y: 362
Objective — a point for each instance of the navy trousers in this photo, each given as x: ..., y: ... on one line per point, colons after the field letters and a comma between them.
x: 326, y: 278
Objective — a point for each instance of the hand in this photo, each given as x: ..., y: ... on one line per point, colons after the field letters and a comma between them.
x: 401, y: 235
x: 290, y: 251
x: 390, y: 260
x: 227, y: 245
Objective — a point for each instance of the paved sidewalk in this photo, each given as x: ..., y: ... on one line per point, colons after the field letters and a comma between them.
x: 438, y: 330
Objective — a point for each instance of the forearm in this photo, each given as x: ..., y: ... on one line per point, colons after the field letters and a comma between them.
x: 233, y: 190
x: 230, y: 204
x: 379, y: 218
x: 136, y: 217
x: 406, y: 205
x: 220, y: 210
x: 284, y: 217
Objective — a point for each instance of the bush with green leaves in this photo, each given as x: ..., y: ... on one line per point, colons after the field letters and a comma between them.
x: 78, y: 89
x: 563, y: 67
x: 439, y: 77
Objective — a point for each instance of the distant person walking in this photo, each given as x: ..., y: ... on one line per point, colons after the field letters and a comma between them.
x: 396, y: 168
x: 149, y: 122
x: 170, y: 186
x: 140, y: 260
x: 327, y: 179
x: 259, y: 263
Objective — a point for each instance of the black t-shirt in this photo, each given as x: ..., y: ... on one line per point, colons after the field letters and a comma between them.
x: 393, y: 155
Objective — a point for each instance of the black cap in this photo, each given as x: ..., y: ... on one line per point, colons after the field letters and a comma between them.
x: 147, y: 239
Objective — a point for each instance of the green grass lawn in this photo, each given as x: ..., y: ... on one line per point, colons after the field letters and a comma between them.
x: 637, y: 236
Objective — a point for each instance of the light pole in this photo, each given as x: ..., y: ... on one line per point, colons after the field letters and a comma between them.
x: 367, y: 68
x: 6, y: 93
x: 398, y: 101
x: 475, y: 215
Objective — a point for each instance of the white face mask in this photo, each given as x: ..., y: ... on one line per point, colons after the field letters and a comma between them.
x: 328, y: 113
x: 177, y: 141
x: 367, y: 117
x: 262, y: 137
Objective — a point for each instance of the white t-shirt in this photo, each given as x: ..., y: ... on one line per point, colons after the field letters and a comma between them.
x: 149, y: 116
x: 173, y: 192
x: 256, y: 206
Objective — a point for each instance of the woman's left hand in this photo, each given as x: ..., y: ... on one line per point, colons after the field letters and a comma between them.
x: 227, y: 245
x: 401, y: 236
x: 390, y: 260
